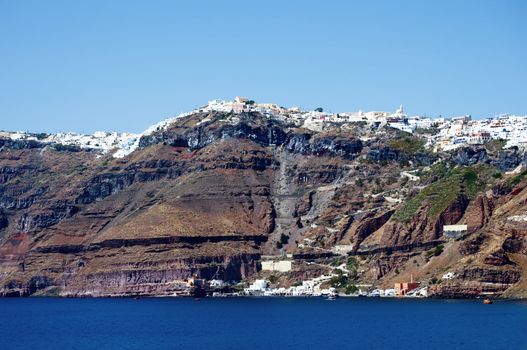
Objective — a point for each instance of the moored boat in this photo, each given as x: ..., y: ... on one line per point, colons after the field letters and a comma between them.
x: 332, y: 296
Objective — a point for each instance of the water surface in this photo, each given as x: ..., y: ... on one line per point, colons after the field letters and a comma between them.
x: 260, y: 323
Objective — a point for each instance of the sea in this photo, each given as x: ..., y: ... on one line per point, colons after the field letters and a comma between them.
x: 261, y: 323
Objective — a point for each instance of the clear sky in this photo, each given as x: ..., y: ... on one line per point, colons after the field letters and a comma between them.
x: 124, y: 65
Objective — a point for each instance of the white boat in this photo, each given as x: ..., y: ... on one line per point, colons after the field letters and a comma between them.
x: 332, y: 296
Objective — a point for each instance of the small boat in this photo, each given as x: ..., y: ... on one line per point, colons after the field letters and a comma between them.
x: 487, y: 301
x: 332, y: 297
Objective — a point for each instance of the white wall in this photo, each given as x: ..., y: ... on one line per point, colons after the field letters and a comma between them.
x: 279, y: 266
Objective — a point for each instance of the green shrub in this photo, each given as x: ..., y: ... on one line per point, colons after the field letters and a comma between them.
x: 339, y: 281
x: 517, y: 179
x: 352, y: 262
x: 335, y: 262
x: 435, y: 251
x: 438, y: 250
x: 351, y: 288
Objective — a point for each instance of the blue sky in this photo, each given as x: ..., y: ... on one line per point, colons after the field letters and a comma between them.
x: 124, y: 65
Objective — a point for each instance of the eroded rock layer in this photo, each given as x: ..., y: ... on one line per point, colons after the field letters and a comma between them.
x: 212, y: 193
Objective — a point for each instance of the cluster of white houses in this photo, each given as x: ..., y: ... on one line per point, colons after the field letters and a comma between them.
x: 450, y: 133
x: 101, y: 140
x: 456, y: 132
x: 313, y: 288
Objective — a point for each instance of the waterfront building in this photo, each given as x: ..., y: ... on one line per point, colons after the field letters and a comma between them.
x: 403, y: 288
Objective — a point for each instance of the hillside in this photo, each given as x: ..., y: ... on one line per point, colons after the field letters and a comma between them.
x: 208, y: 194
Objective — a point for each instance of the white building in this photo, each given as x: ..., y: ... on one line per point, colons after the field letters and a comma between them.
x: 449, y: 276
x: 277, y: 266
x: 258, y: 287
x: 454, y: 231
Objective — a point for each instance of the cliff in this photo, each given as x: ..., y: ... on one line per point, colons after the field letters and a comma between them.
x: 211, y: 193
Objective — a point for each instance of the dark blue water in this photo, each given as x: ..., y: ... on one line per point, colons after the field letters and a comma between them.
x: 260, y: 323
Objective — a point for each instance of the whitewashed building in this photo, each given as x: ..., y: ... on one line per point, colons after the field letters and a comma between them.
x: 454, y: 231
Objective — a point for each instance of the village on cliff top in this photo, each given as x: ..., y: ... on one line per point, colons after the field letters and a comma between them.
x: 444, y: 134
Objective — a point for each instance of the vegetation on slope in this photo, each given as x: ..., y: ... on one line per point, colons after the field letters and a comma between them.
x: 516, y: 179
x: 495, y: 145
x: 440, y: 194
x: 407, y: 144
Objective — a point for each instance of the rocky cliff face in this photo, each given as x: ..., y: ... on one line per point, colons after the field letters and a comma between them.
x: 211, y: 193
x: 504, y: 160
